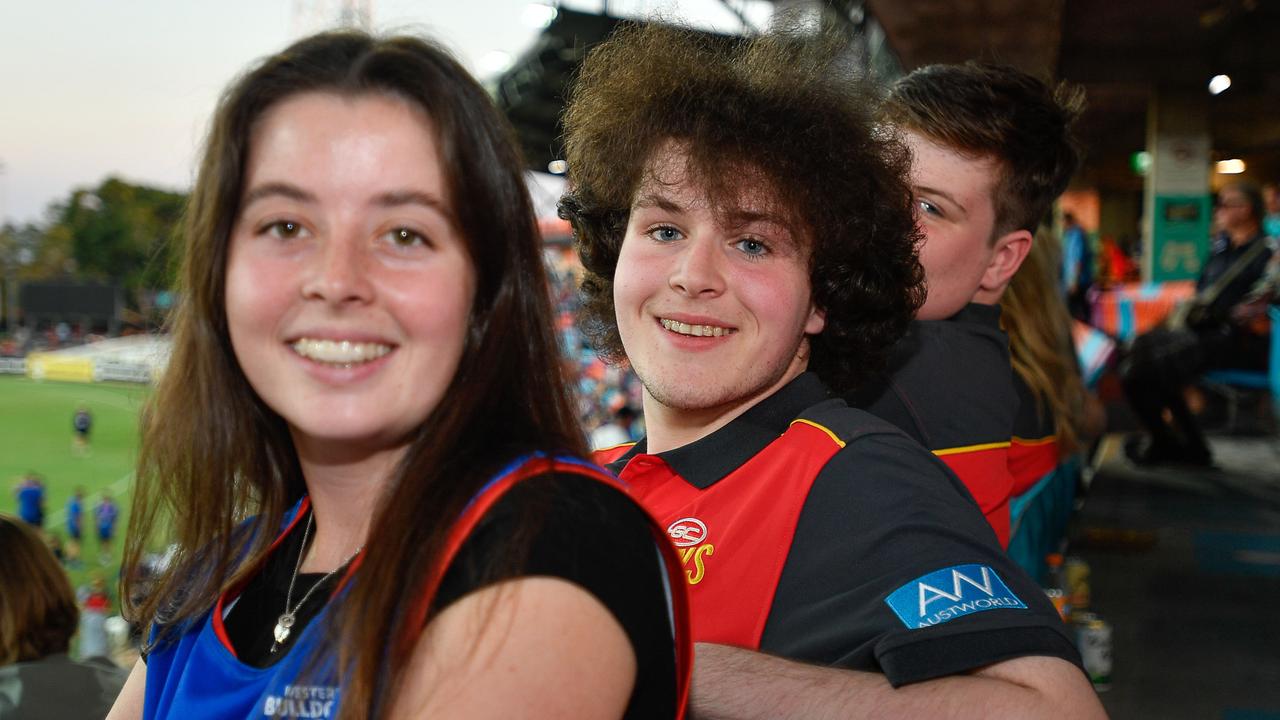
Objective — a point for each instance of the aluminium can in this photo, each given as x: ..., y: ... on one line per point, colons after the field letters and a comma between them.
x: 1094, y: 638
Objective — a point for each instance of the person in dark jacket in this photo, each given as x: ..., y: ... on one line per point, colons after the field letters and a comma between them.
x: 1164, y: 361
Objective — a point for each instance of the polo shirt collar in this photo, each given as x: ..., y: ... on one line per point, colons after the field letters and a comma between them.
x: 978, y: 313
x: 705, y: 461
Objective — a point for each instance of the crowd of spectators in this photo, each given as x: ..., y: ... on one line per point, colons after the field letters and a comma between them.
x: 605, y: 393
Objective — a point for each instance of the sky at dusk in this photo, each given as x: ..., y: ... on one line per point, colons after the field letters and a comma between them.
x: 94, y: 88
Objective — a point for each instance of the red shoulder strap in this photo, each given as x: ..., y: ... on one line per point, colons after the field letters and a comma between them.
x: 543, y: 465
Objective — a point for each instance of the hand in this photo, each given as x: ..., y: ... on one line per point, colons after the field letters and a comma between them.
x: 1246, y: 313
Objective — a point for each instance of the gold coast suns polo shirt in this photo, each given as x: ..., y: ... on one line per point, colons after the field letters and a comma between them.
x: 821, y: 533
x: 949, y: 386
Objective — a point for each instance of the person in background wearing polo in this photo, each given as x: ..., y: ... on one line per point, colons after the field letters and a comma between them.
x: 992, y: 148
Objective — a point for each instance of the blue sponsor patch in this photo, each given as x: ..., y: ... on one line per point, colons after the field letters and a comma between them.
x: 947, y: 594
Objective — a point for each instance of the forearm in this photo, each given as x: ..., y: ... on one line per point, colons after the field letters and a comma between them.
x: 734, y: 684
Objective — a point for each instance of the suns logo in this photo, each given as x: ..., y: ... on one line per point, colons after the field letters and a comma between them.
x: 689, y: 535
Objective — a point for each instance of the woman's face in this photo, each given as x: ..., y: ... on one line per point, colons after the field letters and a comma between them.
x: 348, y: 286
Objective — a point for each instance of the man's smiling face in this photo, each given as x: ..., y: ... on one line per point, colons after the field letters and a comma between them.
x: 713, y: 304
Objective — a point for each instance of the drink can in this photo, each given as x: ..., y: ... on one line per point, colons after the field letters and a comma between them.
x: 1076, y: 580
x: 1094, y: 638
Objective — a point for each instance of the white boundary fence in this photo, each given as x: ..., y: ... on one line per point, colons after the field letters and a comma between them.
x: 137, y: 359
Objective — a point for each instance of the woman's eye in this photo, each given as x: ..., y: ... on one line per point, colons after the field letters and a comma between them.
x: 753, y: 247
x: 404, y: 237
x: 665, y: 233
x: 284, y: 229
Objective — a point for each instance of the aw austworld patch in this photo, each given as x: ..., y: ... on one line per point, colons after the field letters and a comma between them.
x: 950, y: 593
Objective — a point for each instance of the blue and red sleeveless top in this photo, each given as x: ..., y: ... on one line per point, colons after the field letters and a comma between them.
x: 199, y: 674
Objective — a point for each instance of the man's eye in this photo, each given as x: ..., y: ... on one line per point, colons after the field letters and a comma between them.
x: 927, y: 207
x: 665, y: 233
x: 752, y: 246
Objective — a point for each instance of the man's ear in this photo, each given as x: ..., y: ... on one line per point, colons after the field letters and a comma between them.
x: 816, y: 322
x: 1007, y: 255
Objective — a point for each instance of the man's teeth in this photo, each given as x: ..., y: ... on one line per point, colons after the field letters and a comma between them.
x: 339, y: 352
x: 676, y: 326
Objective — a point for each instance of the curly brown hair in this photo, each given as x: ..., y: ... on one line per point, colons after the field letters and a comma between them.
x: 998, y: 111
x: 782, y: 110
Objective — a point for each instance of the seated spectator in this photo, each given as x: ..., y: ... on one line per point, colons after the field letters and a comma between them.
x: 37, y: 619
x: 1209, y: 334
x: 95, y: 606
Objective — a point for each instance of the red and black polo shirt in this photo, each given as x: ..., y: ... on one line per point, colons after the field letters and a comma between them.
x: 949, y: 386
x: 815, y: 531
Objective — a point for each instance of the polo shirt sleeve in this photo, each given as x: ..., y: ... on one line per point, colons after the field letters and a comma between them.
x: 894, y: 570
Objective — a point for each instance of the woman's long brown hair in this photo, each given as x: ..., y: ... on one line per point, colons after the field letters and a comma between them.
x: 1035, y: 317
x: 217, y: 469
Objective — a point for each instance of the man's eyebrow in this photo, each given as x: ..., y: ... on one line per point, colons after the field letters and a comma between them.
x: 940, y: 193
x: 659, y: 201
x: 280, y: 189
x: 741, y: 218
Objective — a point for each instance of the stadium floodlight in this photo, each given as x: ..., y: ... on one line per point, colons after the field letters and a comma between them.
x: 538, y: 15
x: 494, y: 62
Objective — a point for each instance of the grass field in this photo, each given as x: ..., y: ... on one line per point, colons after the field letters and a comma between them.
x: 35, y: 434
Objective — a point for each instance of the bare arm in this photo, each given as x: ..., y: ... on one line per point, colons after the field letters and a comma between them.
x: 128, y: 703
x: 734, y: 684
x: 537, y: 647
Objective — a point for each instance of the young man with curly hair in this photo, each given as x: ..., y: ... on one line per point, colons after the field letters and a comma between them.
x: 749, y: 244
x: 992, y: 149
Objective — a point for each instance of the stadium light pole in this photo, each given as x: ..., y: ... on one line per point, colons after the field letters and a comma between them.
x: 10, y: 260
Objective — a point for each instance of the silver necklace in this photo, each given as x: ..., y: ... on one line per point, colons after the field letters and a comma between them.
x: 284, y: 624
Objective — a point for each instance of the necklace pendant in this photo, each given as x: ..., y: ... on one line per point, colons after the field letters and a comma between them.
x: 283, y: 627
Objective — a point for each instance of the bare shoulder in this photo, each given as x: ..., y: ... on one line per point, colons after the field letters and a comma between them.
x: 536, y: 644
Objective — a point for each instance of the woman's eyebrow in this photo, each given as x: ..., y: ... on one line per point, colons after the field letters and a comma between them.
x: 277, y: 189
x: 410, y: 197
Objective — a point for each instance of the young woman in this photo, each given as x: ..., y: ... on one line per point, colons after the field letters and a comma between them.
x: 1056, y: 414
x: 363, y: 445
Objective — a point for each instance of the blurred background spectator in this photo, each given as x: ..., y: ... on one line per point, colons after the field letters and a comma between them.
x: 30, y: 493
x: 38, y: 616
x: 1271, y: 201
x: 1207, y: 335
x: 1077, y: 266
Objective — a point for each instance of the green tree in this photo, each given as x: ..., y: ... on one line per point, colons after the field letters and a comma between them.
x: 26, y: 254
x: 119, y: 232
